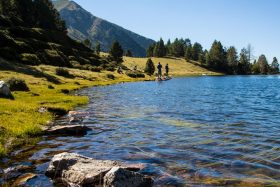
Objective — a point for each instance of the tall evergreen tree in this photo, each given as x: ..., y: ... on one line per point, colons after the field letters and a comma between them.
x: 160, y: 50
x: 188, y: 54
x: 47, y: 16
x: 150, y: 50
x: 196, y: 51
x: 178, y: 49
x: 116, y: 52
x: 232, y: 59
x: 217, y: 56
x: 263, y: 65
x: 275, y: 66
x: 243, y: 66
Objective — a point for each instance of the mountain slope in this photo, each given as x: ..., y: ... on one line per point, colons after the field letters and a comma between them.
x: 82, y: 24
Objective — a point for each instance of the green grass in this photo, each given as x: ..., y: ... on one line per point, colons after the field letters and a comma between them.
x: 178, y: 66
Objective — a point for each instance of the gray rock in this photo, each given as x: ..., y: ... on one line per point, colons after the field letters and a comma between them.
x: 70, y: 130
x: 77, y: 170
x: 5, y: 91
x: 119, y: 177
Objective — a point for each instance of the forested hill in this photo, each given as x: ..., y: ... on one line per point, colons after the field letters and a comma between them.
x: 83, y: 25
x: 32, y: 32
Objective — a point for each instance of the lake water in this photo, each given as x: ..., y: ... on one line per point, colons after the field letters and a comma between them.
x: 189, y: 131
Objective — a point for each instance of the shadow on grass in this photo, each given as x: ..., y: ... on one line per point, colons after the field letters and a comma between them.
x: 25, y: 69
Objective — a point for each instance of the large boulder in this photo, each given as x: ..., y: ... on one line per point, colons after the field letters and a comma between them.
x: 5, y: 91
x: 77, y: 170
x: 119, y: 177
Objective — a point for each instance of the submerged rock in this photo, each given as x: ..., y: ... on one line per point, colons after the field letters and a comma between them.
x: 119, y: 177
x: 14, y: 172
x: 77, y: 170
x: 23, y: 179
x: 5, y: 91
x: 70, y: 130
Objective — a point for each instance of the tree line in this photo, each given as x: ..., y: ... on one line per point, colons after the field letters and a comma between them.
x: 218, y: 58
x: 32, y: 13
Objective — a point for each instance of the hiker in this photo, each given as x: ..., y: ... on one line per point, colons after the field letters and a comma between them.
x: 135, y: 68
x: 120, y: 71
x: 159, y: 70
x: 166, y: 70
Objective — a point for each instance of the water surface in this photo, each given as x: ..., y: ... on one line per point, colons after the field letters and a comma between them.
x: 189, y: 131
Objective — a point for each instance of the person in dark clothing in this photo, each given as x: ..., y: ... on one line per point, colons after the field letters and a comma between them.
x: 159, y: 70
x: 166, y: 70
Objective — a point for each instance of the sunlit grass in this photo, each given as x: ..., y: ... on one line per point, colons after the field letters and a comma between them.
x: 178, y: 66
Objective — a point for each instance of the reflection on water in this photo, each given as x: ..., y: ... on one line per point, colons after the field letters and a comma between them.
x: 190, y: 131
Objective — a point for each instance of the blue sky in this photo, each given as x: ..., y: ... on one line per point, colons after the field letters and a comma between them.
x: 233, y: 22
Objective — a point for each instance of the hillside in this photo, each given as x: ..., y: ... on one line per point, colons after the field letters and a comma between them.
x: 83, y: 25
x: 178, y: 66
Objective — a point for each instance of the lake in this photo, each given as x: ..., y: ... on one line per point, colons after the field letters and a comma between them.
x: 189, y: 131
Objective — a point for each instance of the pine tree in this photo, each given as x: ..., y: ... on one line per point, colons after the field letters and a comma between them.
x: 150, y: 50
x: 217, y: 56
x: 47, y: 16
x: 232, y: 59
x: 128, y: 53
x: 116, y: 52
x: 188, y: 54
x: 275, y: 66
x: 159, y: 50
x: 98, y: 48
x: 150, y: 67
x: 263, y: 65
x: 243, y: 66
x: 196, y: 51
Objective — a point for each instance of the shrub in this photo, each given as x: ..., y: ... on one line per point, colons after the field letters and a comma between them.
x: 62, y: 72
x: 150, y: 67
x: 30, y: 59
x: 50, y: 87
x: 65, y: 91
x: 95, y: 69
x: 54, y: 58
x: 135, y: 74
x: 110, y: 76
x: 16, y: 84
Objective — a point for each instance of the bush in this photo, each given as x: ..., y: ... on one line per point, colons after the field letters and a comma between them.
x: 95, y: 69
x: 135, y: 74
x: 110, y: 76
x: 30, y: 59
x: 62, y: 72
x: 16, y: 84
x: 50, y: 87
x: 54, y: 58
x: 150, y: 67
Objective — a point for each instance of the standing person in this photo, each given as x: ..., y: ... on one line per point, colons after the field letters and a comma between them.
x: 159, y: 70
x: 166, y: 70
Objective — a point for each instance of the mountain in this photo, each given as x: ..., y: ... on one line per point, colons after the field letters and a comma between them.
x: 83, y: 25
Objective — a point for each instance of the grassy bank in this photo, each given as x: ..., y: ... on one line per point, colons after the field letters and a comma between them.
x: 20, y: 119
x: 178, y: 66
